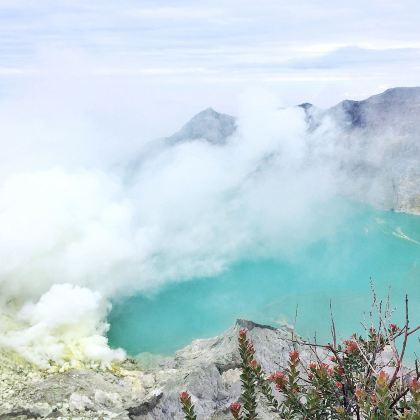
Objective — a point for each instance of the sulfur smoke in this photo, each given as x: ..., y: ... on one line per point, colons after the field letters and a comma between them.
x: 79, y: 225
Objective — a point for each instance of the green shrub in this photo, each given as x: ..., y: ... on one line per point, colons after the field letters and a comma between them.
x: 347, y: 380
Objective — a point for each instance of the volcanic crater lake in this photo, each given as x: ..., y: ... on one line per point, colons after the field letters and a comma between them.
x: 372, y: 246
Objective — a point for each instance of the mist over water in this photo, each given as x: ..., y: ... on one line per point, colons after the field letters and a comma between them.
x: 370, y: 247
x: 90, y: 214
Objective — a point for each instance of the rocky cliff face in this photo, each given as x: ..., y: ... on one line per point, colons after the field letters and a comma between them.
x: 381, y: 136
x: 208, y: 369
x: 374, y: 144
x: 396, y: 109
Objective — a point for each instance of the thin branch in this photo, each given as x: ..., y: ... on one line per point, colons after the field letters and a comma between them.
x: 333, y: 332
x: 404, y: 345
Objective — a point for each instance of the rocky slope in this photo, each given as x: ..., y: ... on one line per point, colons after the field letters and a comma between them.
x: 208, y: 369
x: 378, y: 145
x: 375, y: 143
x: 207, y: 125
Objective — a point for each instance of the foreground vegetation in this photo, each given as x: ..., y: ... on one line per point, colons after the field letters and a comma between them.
x: 363, y: 377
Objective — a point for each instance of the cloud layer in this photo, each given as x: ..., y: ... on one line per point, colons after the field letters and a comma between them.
x: 83, y: 87
x: 80, y: 227
x: 340, y: 49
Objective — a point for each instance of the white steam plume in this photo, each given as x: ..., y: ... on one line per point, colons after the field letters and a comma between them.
x: 75, y: 231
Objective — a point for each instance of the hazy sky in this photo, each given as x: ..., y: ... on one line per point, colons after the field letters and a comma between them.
x: 187, y: 54
x: 85, y: 84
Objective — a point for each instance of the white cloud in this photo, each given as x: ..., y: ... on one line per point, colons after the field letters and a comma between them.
x: 16, y: 71
x: 217, y: 42
x: 75, y: 229
x: 102, y: 77
x: 174, y: 13
x: 163, y: 71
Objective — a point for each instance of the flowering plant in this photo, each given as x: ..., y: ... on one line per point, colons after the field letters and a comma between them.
x: 363, y: 377
x: 187, y: 406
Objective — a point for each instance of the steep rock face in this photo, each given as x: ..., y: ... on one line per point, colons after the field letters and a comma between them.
x: 207, y: 125
x: 374, y: 144
x: 381, y: 140
x: 208, y: 369
x: 396, y: 109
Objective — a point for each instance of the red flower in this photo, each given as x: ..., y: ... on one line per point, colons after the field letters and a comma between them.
x: 312, y: 366
x: 351, y: 346
x: 338, y: 385
x: 253, y: 364
x: 280, y: 379
x: 358, y: 393
x: 333, y: 359
x: 324, y: 370
x: 414, y: 385
x: 382, y: 378
x: 235, y: 408
x: 242, y: 333
x: 340, y: 370
x: 393, y: 328
x: 184, y: 396
x: 294, y: 356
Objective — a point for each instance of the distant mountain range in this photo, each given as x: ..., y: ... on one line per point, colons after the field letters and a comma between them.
x: 378, y: 140
x: 396, y: 109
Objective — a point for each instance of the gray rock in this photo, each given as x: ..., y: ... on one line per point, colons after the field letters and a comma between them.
x: 207, y: 125
x: 378, y: 147
x: 208, y: 369
x: 396, y: 109
x: 78, y: 402
x: 374, y: 144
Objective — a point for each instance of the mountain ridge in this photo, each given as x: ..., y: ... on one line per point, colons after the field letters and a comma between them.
x: 209, y: 125
x: 380, y: 135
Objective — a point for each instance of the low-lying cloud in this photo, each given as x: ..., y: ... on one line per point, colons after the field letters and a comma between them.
x: 78, y: 230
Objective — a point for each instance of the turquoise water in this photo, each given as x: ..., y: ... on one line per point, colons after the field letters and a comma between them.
x: 369, y: 244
